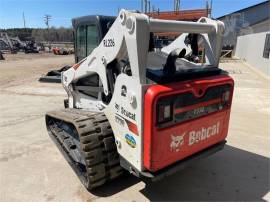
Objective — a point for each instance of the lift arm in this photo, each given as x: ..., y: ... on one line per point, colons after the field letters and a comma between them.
x: 129, y: 36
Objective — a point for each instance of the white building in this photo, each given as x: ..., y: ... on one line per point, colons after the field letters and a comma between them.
x: 248, y: 33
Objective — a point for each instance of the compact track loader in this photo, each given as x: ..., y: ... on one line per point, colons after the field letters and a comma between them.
x: 149, y: 112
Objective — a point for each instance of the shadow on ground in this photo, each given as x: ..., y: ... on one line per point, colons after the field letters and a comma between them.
x: 116, y: 186
x: 232, y: 174
x: 229, y: 175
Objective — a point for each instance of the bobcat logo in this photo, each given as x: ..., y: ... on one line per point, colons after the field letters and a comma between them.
x: 177, y: 142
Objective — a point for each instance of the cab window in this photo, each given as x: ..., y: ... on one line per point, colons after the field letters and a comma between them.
x: 81, y: 42
x: 87, y: 38
x: 92, y: 38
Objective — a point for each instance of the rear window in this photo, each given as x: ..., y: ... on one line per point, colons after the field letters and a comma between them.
x: 187, y: 57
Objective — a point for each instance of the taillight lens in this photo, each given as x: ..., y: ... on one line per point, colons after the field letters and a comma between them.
x: 226, y: 97
x: 165, y: 112
x: 186, y: 106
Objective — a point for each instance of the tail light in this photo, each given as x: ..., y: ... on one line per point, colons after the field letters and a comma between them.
x: 165, y: 112
x: 226, y: 97
x: 183, y: 107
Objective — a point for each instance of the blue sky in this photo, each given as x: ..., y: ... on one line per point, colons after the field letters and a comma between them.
x: 62, y: 11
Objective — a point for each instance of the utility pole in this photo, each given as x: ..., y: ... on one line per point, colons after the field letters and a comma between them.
x: 176, y: 5
x: 24, y: 21
x: 153, y: 9
x: 47, y: 19
x: 145, y: 6
x: 211, y: 7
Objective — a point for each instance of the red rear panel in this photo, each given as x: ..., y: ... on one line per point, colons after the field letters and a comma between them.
x: 196, y: 116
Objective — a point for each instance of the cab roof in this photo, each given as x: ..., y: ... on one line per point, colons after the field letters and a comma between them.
x: 90, y: 19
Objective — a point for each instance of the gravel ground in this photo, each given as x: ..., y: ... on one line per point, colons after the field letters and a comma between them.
x: 32, y: 169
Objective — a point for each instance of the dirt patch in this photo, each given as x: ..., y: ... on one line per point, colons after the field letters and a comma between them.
x: 24, y: 69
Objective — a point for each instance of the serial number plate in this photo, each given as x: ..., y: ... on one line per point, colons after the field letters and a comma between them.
x: 108, y: 43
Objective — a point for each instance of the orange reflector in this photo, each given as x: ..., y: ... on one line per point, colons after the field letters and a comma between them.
x: 76, y: 66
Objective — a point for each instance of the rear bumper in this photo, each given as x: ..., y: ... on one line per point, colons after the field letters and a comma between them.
x: 180, y: 165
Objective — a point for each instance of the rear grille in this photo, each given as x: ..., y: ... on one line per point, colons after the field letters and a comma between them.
x: 187, y: 106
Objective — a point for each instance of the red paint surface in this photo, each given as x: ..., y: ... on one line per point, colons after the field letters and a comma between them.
x: 132, y: 127
x: 157, y: 150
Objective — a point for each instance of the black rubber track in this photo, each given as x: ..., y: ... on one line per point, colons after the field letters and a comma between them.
x: 97, y: 146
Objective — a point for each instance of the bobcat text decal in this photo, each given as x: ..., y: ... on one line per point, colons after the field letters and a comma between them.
x: 125, y: 112
x: 194, y: 136
x: 204, y: 133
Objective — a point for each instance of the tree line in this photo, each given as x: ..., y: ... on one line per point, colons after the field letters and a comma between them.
x: 53, y: 34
